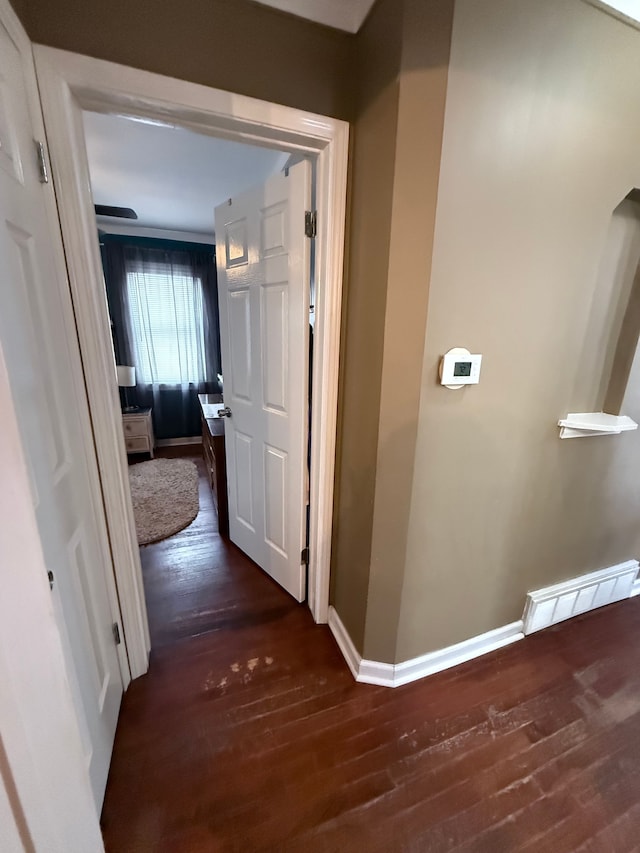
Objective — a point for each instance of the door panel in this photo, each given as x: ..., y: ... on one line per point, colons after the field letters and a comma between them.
x: 263, y: 290
x: 275, y: 318
x: 275, y: 497
x: 240, y: 322
x: 45, y: 375
x: 244, y: 479
x: 236, y: 245
x: 273, y: 225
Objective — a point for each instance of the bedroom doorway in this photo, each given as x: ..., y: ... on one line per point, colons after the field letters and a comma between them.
x: 167, y: 273
x: 72, y: 83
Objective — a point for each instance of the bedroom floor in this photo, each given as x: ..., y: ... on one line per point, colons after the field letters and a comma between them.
x: 249, y: 733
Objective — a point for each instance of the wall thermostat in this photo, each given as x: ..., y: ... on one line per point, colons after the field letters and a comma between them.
x: 459, y: 367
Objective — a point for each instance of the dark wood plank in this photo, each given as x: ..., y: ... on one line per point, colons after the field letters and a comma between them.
x: 249, y: 733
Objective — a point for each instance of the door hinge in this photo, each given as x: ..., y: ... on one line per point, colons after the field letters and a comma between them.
x: 304, y: 557
x: 42, y: 162
x: 116, y: 633
x: 50, y: 576
x: 310, y: 223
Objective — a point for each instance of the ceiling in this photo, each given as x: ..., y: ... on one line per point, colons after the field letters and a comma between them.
x: 345, y: 15
x: 172, y: 177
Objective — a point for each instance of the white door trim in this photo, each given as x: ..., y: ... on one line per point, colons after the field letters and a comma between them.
x: 70, y: 82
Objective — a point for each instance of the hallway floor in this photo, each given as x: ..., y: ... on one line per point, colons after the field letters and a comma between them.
x: 249, y: 733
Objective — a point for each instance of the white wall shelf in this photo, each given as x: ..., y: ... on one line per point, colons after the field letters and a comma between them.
x: 580, y: 424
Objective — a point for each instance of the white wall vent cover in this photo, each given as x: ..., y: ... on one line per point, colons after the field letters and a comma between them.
x: 561, y: 601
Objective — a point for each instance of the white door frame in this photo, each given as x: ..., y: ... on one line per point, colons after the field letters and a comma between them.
x: 69, y: 83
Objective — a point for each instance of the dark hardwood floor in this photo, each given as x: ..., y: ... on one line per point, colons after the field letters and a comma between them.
x: 249, y: 733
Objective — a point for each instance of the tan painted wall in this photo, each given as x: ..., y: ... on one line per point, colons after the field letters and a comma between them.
x: 229, y: 44
x: 378, y: 54
x: 20, y: 8
x: 401, y: 57
x: 618, y: 287
x: 542, y: 141
x: 423, y: 86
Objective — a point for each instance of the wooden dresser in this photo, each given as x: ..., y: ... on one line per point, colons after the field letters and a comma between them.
x: 213, y: 452
x: 138, y: 431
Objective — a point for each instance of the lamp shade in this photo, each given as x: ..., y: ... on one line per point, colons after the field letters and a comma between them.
x: 126, y: 376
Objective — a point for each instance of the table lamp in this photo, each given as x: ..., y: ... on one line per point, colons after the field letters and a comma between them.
x: 126, y: 379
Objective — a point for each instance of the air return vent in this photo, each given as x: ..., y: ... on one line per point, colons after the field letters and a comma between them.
x: 561, y: 601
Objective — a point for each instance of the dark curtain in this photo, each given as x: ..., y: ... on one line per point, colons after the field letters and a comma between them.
x: 154, y: 264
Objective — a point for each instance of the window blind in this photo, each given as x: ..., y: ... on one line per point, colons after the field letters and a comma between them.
x: 166, y: 313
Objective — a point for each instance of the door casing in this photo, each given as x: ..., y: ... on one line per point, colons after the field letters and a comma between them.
x: 70, y: 83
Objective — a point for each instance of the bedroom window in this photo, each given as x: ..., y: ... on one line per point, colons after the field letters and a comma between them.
x: 167, y: 323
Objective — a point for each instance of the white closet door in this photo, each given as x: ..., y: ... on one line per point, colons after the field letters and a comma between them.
x: 37, y: 336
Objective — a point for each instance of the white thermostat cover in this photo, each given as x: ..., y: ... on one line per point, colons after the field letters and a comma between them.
x: 459, y: 367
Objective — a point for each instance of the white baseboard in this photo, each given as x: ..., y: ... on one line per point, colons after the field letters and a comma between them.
x: 561, y: 601
x: 450, y: 656
x: 178, y: 442
x: 345, y: 643
x: 394, y: 675
x: 544, y: 607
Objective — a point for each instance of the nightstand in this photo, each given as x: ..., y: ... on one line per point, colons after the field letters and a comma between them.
x: 138, y: 431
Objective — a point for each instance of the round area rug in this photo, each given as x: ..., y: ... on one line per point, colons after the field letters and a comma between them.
x: 165, y: 497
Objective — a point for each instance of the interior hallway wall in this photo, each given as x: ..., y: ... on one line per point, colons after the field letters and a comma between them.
x: 373, y: 150
x: 426, y: 41
x: 235, y: 45
x: 541, y: 143
x: 402, y: 59
x: 20, y: 8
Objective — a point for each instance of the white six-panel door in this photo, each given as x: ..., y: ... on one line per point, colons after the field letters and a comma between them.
x: 38, y: 340
x: 263, y: 262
